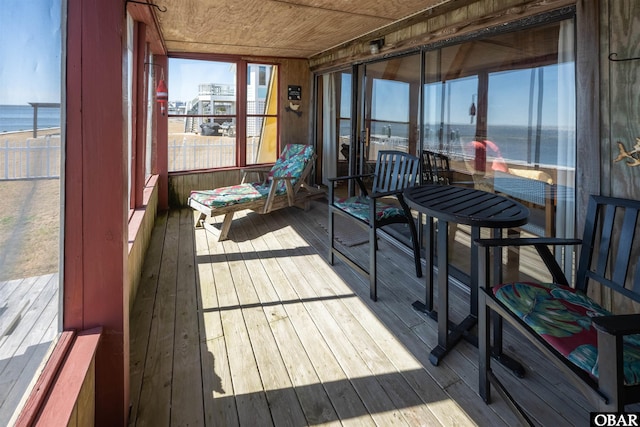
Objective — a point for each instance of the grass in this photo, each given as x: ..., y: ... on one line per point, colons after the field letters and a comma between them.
x: 29, y: 228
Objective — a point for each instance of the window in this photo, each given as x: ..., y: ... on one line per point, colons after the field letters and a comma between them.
x: 334, y: 124
x: 140, y: 133
x: 262, y: 115
x: 130, y: 111
x: 31, y: 142
x: 502, y: 108
x: 149, y: 166
x: 207, y: 129
x: 390, y: 104
x: 503, y: 111
x: 262, y: 75
x: 505, y: 115
x: 202, y: 114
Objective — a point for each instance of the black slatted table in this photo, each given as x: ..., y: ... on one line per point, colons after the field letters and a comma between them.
x: 461, y: 205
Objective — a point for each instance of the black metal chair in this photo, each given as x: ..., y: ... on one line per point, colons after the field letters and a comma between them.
x: 394, y: 172
x: 597, y: 350
x: 436, y: 168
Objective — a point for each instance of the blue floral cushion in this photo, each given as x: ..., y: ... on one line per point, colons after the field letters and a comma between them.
x: 234, y: 194
x: 358, y: 206
x: 291, y: 163
x: 562, y: 317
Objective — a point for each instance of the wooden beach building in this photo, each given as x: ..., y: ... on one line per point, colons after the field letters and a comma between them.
x: 161, y: 324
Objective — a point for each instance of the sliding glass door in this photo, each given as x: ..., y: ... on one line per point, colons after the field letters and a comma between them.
x: 334, y: 125
x: 391, y: 92
x: 501, y: 108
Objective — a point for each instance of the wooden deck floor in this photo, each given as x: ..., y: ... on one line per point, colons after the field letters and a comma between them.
x: 260, y: 330
x: 28, y: 327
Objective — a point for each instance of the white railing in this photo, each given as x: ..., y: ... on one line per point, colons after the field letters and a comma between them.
x: 206, y: 153
x: 40, y: 157
x: 33, y: 158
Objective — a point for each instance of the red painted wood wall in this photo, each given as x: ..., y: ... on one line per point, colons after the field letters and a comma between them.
x: 96, y: 202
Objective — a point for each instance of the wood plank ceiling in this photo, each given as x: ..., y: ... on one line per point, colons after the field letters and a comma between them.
x: 280, y: 28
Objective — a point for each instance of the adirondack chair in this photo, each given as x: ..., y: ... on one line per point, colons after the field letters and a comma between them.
x: 394, y: 172
x: 598, y: 351
x: 284, y: 185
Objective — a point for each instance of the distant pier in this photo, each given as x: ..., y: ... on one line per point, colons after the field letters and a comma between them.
x: 37, y: 105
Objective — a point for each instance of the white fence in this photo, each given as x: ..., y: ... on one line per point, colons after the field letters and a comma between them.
x: 40, y: 157
x: 33, y: 158
x: 206, y: 152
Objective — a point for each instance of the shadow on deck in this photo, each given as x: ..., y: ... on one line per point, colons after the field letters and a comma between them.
x: 261, y: 330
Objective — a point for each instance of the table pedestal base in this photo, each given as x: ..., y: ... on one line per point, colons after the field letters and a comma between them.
x: 510, y: 363
x: 462, y: 331
x: 422, y: 308
x: 457, y: 333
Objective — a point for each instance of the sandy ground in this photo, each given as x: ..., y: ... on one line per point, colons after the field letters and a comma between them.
x: 29, y: 222
x: 30, y: 208
x: 30, y: 215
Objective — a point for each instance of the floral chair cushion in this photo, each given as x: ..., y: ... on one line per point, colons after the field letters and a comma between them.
x: 291, y: 163
x: 562, y: 316
x: 358, y: 206
x: 234, y: 194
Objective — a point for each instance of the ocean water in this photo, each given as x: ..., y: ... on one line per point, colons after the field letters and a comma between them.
x: 516, y: 143
x: 15, y: 118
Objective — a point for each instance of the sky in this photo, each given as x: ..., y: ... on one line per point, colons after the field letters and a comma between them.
x: 30, y: 71
x: 30, y: 51
x: 30, y: 57
x: 186, y: 74
x: 513, y: 98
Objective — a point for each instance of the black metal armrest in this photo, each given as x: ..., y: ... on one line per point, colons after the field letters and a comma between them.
x: 526, y: 241
x: 620, y: 324
x: 344, y: 178
x: 385, y: 194
x: 542, y: 247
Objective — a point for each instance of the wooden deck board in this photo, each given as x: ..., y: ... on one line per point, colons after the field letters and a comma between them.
x: 142, y: 312
x: 219, y: 404
x: 249, y: 275
x: 251, y: 399
x: 28, y: 342
x: 357, y: 367
x: 154, y: 406
x: 186, y: 406
x: 286, y: 339
x: 467, y: 371
x: 33, y: 359
x: 314, y: 355
x: 383, y: 355
x: 398, y: 298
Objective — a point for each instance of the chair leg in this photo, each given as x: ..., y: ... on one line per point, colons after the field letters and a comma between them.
x: 226, y: 225
x: 330, y: 225
x: 330, y: 222
x: 484, y: 349
x: 221, y: 234
x: 416, y: 247
x: 200, y: 220
x: 373, y: 251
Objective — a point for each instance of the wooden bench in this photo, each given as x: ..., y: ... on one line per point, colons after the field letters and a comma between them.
x: 598, y: 351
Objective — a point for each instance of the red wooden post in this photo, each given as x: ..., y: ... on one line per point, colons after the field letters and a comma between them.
x: 161, y: 148
x: 96, y: 208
